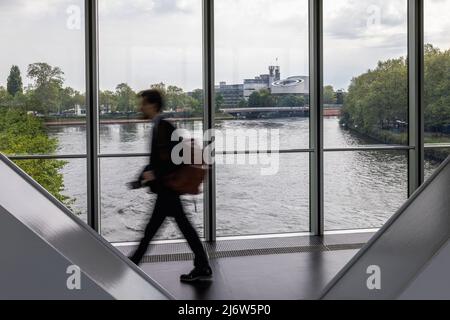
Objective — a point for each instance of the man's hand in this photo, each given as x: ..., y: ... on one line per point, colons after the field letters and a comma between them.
x: 134, y: 185
x: 148, y: 176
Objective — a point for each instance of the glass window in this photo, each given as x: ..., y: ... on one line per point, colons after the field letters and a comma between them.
x: 42, y: 73
x: 42, y: 99
x: 262, y: 71
x: 365, y: 72
x: 261, y: 198
x: 437, y: 83
x: 64, y: 179
x: 363, y: 189
x: 433, y: 158
x: 125, y: 213
x: 143, y: 45
x: 262, y: 103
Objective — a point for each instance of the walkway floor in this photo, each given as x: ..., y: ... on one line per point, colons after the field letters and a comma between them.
x: 284, y: 268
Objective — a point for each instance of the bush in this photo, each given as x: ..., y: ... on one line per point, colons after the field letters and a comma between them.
x: 23, y: 134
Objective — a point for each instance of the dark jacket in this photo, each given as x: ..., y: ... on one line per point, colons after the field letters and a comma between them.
x: 160, y: 153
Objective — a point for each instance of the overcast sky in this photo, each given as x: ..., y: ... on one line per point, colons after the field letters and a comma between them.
x: 149, y: 41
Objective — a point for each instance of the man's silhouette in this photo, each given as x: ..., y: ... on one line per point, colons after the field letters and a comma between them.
x: 168, y: 202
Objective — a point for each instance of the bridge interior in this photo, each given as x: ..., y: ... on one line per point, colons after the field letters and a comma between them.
x: 274, y: 268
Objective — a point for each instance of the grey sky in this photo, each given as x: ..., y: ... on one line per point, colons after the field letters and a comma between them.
x: 148, y: 41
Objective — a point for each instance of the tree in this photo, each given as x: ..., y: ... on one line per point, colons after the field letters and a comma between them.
x: 159, y: 86
x: 108, y: 101
x: 5, y: 98
x: 43, y: 74
x: 126, y: 98
x: 329, y: 95
x: 254, y: 100
x: 261, y: 99
x: 267, y: 101
x: 24, y: 134
x: 219, y: 102
x: 70, y: 98
x: 243, y: 103
x: 291, y: 100
x: 197, y: 94
x: 47, y: 86
x: 340, y: 96
x: 378, y: 99
x: 437, y: 90
x: 14, y: 85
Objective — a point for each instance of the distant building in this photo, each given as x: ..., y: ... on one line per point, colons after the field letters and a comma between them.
x: 80, y: 110
x: 262, y: 81
x: 293, y: 85
x: 231, y: 93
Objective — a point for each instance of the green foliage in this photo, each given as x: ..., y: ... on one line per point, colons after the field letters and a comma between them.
x: 178, y: 100
x: 290, y: 100
x: 108, y: 100
x: 126, y: 98
x: 45, y: 96
x: 14, y: 85
x: 437, y: 89
x: 329, y: 95
x: 243, y: 103
x: 22, y: 134
x: 5, y: 98
x: 261, y: 99
x: 219, y: 102
x: 70, y: 98
x: 378, y: 99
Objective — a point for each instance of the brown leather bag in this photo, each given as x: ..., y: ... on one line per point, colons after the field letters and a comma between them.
x: 187, y: 179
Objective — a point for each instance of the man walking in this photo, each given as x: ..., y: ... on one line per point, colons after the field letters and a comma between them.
x: 168, y: 202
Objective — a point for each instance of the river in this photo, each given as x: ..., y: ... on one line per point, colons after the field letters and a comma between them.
x: 362, y: 189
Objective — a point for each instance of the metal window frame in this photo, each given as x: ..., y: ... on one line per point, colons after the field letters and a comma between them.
x: 92, y: 116
x: 415, y: 148
x: 209, y: 186
x: 316, y: 162
x: 416, y: 94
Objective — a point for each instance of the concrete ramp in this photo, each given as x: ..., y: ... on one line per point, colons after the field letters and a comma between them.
x: 48, y: 253
x: 410, y: 256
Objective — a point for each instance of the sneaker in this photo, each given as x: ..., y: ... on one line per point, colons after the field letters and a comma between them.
x: 197, y: 274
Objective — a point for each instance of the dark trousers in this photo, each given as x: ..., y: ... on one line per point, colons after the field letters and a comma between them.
x: 169, y: 204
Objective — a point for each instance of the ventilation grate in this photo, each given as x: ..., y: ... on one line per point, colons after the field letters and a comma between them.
x: 213, y: 253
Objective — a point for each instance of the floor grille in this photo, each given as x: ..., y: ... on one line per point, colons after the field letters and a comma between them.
x: 216, y: 253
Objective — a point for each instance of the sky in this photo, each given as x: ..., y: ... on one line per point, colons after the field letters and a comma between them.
x: 150, y: 41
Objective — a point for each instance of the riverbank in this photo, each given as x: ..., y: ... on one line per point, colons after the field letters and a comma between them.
x: 82, y: 122
x: 434, y: 155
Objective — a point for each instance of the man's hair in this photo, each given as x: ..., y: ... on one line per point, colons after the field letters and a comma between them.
x: 153, y: 96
